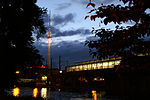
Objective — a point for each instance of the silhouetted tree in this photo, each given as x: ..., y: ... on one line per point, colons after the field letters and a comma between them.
x: 123, y: 41
x: 19, y: 21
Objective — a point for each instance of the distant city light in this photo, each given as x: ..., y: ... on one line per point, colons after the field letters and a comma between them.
x: 60, y: 71
x: 17, y: 72
x: 59, y: 90
x: 44, y: 78
x: 42, y: 66
x: 85, y: 81
x: 98, y: 79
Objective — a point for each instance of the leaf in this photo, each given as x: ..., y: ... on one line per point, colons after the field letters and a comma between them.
x: 105, y: 21
x: 90, y: 4
x: 93, y: 18
x: 91, y: 10
x: 86, y: 17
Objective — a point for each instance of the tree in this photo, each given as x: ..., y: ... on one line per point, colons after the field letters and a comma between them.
x: 19, y: 21
x: 123, y: 41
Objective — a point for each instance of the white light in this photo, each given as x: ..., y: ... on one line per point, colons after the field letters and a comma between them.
x: 60, y: 71
x: 44, y: 78
x: 49, y: 40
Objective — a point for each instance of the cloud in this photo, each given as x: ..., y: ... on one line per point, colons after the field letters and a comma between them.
x: 79, y: 35
x: 78, y: 38
x: 60, y: 20
x: 97, y: 2
x: 63, y: 6
x: 58, y: 33
x: 70, y: 52
x: 68, y: 44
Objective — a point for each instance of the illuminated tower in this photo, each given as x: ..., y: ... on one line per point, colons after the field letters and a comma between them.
x: 49, y: 39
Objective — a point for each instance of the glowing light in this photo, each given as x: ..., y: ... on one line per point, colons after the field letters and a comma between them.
x: 85, y: 81
x: 42, y: 66
x: 60, y: 71
x: 17, y: 72
x: 94, y: 95
x: 35, y: 92
x: 16, y: 92
x: 98, y: 79
x: 117, y: 62
x: 102, y: 79
x: 44, y: 93
x: 59, y: 90
x: 44, y: 78
x: 49, y: 40
x: 106, y: 63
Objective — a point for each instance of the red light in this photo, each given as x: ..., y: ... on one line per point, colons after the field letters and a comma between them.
x: 42, y: 66
x: 85, y: 81
x: 49, y: 40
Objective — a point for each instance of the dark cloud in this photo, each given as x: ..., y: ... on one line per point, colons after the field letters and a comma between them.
x: 69, y: 32
x: 60, y: 20
x: 56, y: 32
x: 70, y: 53
x: 63, y: 6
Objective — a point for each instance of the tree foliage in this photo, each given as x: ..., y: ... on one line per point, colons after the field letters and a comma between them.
x: 19, y: 21
x: 122, y: 41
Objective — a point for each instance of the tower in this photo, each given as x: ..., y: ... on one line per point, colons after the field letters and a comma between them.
x: 49, y: 39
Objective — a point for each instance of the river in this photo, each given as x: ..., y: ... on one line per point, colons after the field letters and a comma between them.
x: 48, y: 94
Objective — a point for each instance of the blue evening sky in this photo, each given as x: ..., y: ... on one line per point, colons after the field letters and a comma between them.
x: 70, y: 30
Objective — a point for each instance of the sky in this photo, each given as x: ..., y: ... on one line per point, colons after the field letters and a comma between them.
x: 69, y: 30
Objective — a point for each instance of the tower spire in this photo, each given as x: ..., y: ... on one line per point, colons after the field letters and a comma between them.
x: 49, y: 39
x: 49, y: 32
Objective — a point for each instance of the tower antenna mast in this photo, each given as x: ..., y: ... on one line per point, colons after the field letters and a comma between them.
x: 49, y: 39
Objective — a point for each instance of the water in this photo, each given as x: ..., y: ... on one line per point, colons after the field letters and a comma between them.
x: 48, y: 94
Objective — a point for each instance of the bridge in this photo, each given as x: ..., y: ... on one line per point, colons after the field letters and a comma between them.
x: 115, y: 74
x: 90, y: 74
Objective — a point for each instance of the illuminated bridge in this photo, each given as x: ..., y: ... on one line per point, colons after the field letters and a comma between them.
x: 90, y: 73
x: 99, y: 73
x: 94, y: 65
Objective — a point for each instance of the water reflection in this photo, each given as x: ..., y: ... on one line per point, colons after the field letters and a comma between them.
x: 94, y: 95
x: 46, y: 94
x: 16, y: 92
x: 35, y: 92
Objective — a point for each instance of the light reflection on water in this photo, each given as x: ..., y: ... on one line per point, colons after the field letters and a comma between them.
x: 16, y: 92
x: 35, y: 92
x: 46, y: 94
x: 94, y: 95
